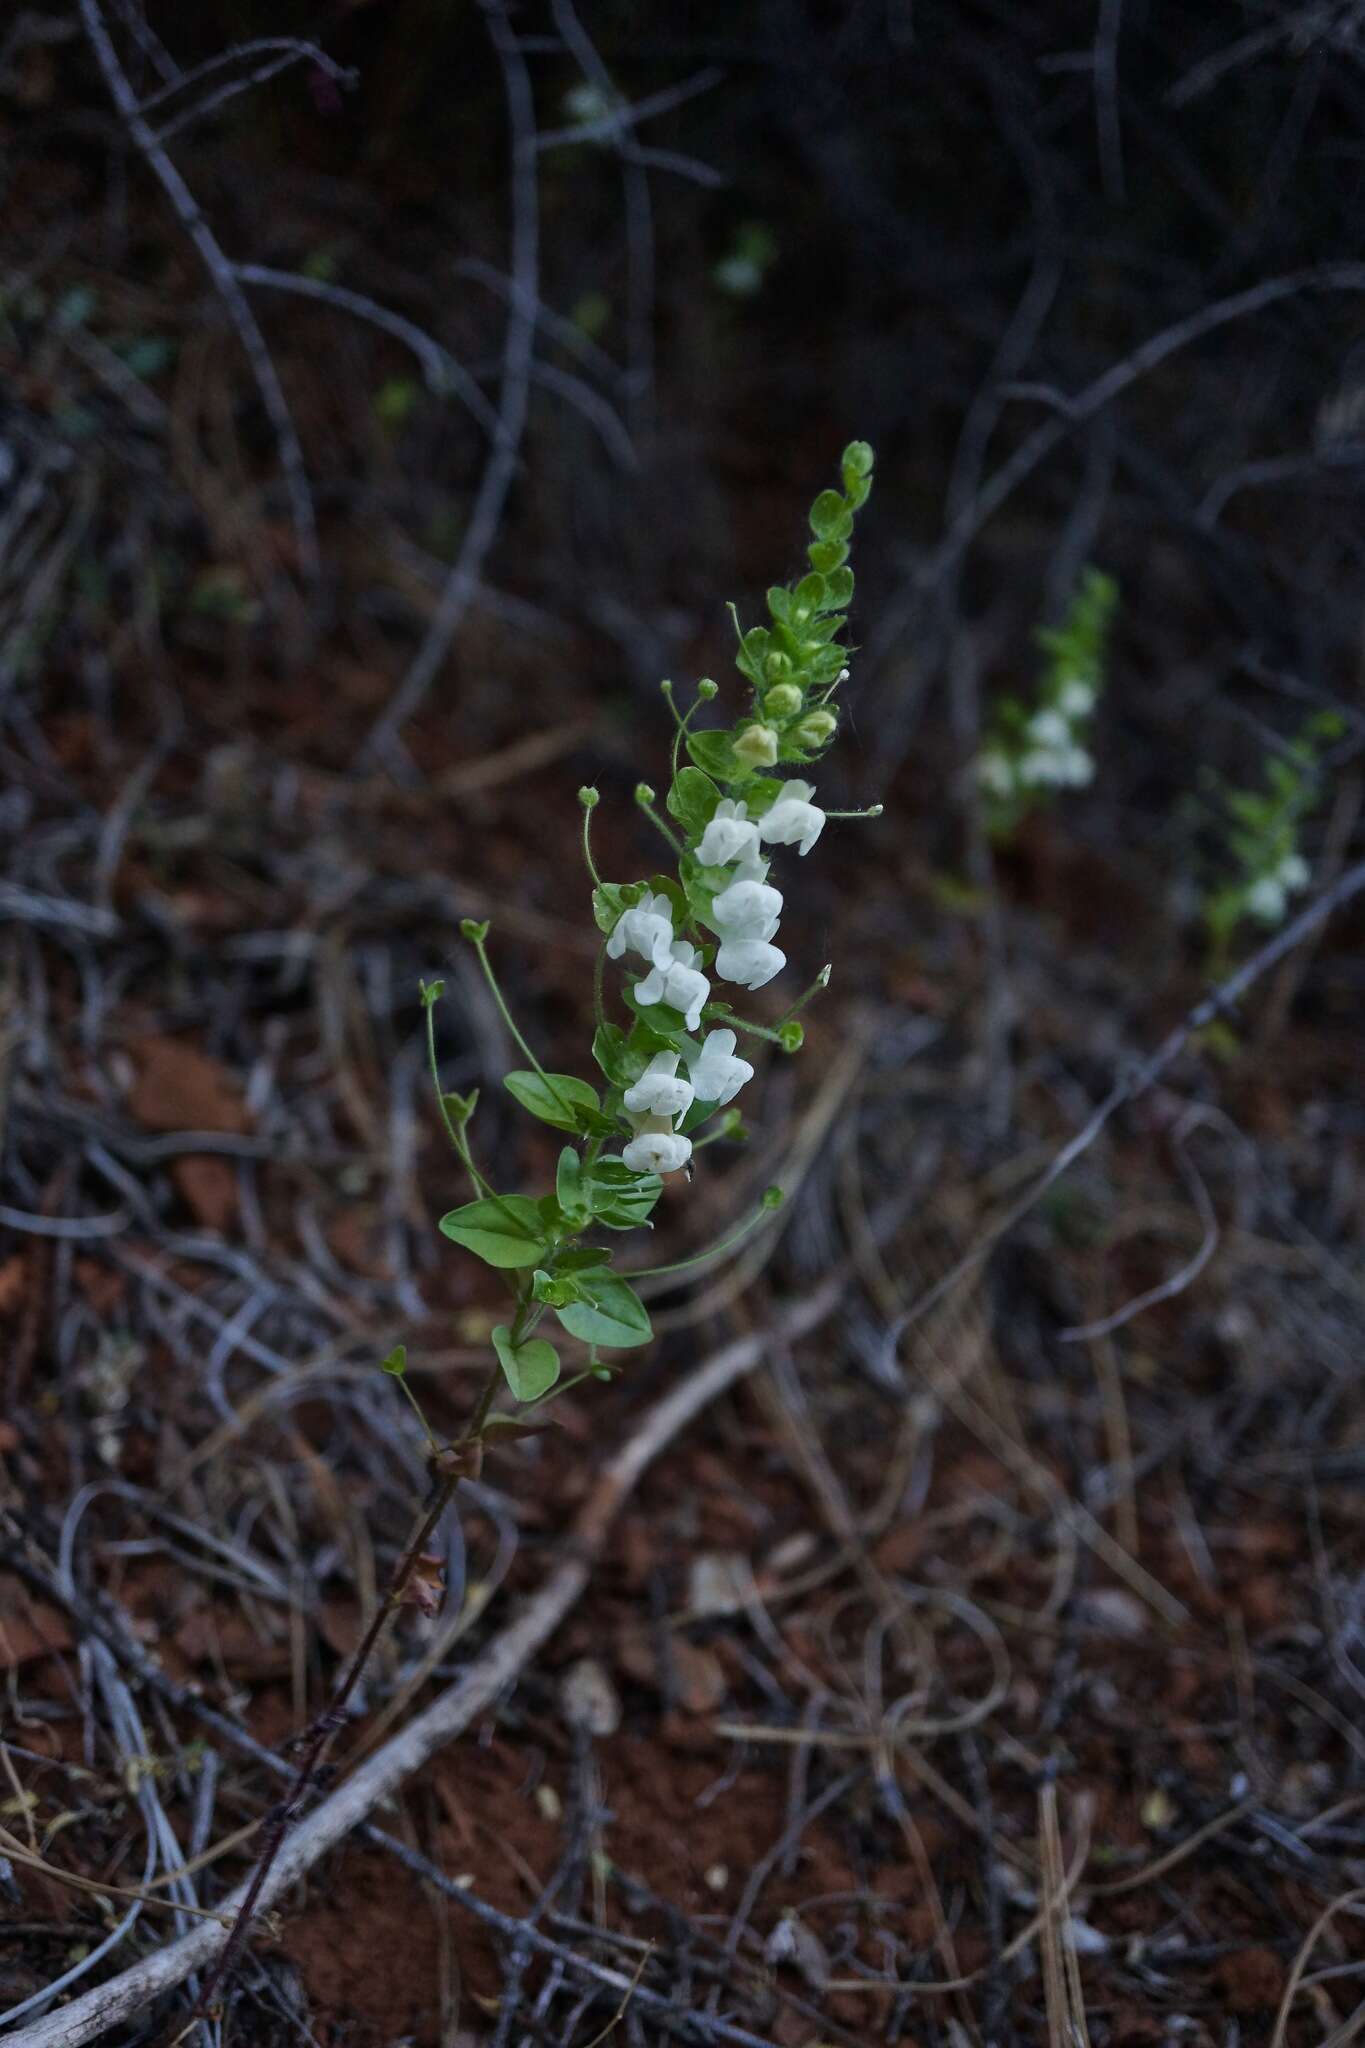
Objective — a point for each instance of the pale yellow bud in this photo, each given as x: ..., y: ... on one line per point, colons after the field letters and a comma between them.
x: 815, y: 728
x: 756, y: 746
x: 783, y: 702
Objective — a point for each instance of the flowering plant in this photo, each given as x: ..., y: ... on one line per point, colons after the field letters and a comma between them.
x: 1262, y: 838
x: 671, y: 1064
x: 1030, y: 751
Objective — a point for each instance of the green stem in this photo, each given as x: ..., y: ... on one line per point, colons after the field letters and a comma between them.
x: 675, y: 844
x: 454, y: 1131
x: 712, y: 1251
x: 587, y: 846
x: 480, y: 947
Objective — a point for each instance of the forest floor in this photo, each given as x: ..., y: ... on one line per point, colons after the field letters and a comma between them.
x: 983, y: 1672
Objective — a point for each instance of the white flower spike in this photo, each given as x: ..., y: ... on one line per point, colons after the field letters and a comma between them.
x: 679, y: 982
x: 660, y: 1090
x: 717, y: 1076
x: 646, y: 928
x: 657, y: 1149
x: 731, y: 835
x: 793, y: 820
x: 748, y: 909
x: 751, y: 963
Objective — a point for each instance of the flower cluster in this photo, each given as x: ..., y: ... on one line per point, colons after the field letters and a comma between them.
x: 1030, y: 752
x: 1261, y: 836
x: 680, y: 938
x: 744, y: 912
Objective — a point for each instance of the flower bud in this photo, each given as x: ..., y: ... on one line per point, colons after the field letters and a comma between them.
x: 588, y: 797
x: 756, y: 746
x: 815, y: 728
x: 858, y: 458
x: 706, y: 689
x: 791, y: 1036
x: 643, y: 793
x: 475, y: 929
x: 783, y: 702
x: 777, y: 665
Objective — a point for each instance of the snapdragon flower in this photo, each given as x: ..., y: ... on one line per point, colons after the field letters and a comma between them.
x: 1077, y: 698
x: 1050, y: 729
x: 793, y: 819
x: 731, y: 835
x: 657, y: 1148
x: 750, y: 963
x: 717, y: 1075
x: 748, y: 909
x: 995, y: 773
x: 646, y: 928
x: 1268, y: 897
x: 660, y: 1090
x: 677, y: 981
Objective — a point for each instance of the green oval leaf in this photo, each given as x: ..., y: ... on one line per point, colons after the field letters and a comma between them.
x: 502, y: 1230
x: 692, y: 800
x: 713, y: 752
x: 611, y: 1313
x: 620, y: 1197
x: 559, y: 1099
x: 530, y: 1369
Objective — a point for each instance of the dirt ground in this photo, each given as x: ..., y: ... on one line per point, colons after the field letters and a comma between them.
x: 986, y: 1672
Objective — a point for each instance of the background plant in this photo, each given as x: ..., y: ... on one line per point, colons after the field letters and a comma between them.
x: 1031, y: 751
x: 1260, y: 839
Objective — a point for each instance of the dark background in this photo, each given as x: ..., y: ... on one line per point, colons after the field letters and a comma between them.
x: 1090, y: 280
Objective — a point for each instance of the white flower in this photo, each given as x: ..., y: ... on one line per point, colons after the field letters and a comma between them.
x: 1077, y: 767
x: 657, y: 1149
x: 1049, y: 729
x: 1266, y: 899
x: 748, y: 909
x: 646, y: 928
x: 1042, y: 770
x: 660, y: 1090
x: 731, y: 835
x: 717, y: 1075
x: 750, y: 962
x: 995, y: 773
x: 1077, y: 698
x: 677, y: 982
x: 1293, y: 872
x: 793, y: 818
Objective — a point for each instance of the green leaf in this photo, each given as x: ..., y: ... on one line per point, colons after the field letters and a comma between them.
x: 827, y: 554
x: 502, y: 1230
x: 826, y: 515
x: 530, y: 1369
x: 838, y: 590
x: 692, y: 800
x: 780, y: 604
x: 559, y: 1099
x: 808, y: 596
x: 713, y: 752
x: 569, y: 1190
x: 608, y: 1047
x: 620, y: 1197
x: 611, y: 1313
x: 609, y: 899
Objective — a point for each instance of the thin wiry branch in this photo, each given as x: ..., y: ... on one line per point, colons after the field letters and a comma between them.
x: 518, y: 348
x: 224, y: 278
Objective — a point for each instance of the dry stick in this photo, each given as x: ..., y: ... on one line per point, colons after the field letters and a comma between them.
x: 317, y: 1738
x: 108, y: 2005
x: 1137, y: 1082
x: 225, y: 283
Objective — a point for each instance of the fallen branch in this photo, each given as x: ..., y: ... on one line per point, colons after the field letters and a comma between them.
x: 109, y: 2005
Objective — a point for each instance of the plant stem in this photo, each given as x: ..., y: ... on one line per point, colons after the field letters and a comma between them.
x: 316, y: 1740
